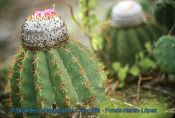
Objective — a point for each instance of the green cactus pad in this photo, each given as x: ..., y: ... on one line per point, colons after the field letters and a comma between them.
x: 165, y: 53
x: 165, y: 13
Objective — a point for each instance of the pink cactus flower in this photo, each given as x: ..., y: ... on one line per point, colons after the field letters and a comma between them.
x: 45, y: 13
x: 44, y: 30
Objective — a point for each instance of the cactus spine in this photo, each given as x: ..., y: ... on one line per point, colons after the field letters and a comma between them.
x: 165, y: 53
x: 53, y: 69
x: 128, y: 32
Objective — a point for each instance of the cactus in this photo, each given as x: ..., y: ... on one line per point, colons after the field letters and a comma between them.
x: 165, y: 13
x: 127, y: 33
x: 146, y: 5
x: 52, y: 70
x: 165, y: 53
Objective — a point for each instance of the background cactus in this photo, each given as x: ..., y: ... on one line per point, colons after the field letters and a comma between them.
x: 60, y: 71
x: 165, y: 53
x: 127, y: 34
x: 165, y: 13
x: 146, y: 5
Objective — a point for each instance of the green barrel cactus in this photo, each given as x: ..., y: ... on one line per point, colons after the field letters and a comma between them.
x: 53, y: 71
x: 127, y: 33
x: 165, y: 53
x: 165, y: 13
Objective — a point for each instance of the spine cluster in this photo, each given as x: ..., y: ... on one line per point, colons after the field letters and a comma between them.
x: 44, y: 30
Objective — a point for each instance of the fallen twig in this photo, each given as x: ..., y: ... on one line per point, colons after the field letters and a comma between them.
x: 138, y: 86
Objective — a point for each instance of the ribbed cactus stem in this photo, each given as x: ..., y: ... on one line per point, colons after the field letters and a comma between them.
x: 127, y: 13
x: 44, y: 30
x: 45, y: 76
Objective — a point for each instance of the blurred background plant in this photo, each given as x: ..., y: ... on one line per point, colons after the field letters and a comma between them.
x: 165, y: 14
x: 144, y: 64
x: 126, y: 50
x: 5, y: 4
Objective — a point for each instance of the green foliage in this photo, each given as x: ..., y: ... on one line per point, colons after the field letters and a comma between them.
x: 67, y: 76
x: 121, y: 72
x: 144, y: 63
x: 87, y: 15
x: 134, y: 70
x: 165, y: 53
x: 90, y: 22
x: 97, y: 42
x: 165, y: 13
